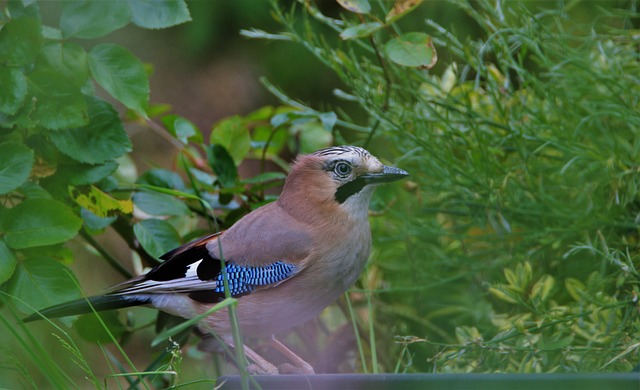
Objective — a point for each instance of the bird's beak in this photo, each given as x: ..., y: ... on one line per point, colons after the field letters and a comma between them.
x: 387, y: 175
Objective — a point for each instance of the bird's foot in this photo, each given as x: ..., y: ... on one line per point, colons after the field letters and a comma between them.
x: 287, y: 368
x: 255, y: 369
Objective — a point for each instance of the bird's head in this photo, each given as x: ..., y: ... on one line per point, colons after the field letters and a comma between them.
x: 340, y: 176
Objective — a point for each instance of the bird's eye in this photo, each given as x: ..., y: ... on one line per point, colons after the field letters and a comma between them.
x: 342, y: 169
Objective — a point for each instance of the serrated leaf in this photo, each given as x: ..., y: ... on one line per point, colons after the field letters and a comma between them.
x: 357, y: 6
x: 413, y: 50
x: 32, y: 190
x: 121, y: 74
x: 222, y: 164
x: 40, y: 282
x: 39, y: 222
x: 66, y: 58
x: 59, y: 104
x: 82, y: 174
x: 13, y: 90
x: 182, y: 129
x: 8, y: 262
x: 233, y: 134
x: 16, y: 162
x: 159, y: 13
x: 20, y: 41
x: 156, y: 203
x: 361, y: 30
x: 100, y: 203
x: 156, y: 236
x: 103, y: 139
x: 92, y: 19
x: 401, y: 8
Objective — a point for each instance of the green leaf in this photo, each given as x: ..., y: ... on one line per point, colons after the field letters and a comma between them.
x: 357, y: 6
x: 156, y: 236
x: 311, y: 135
x: 100, y: 203
x: 361, y: 30
x: 155, y: 203
x: 82, y: 174
x: 222, y: 164
x: 16, y: 162
x: 93, y: 222
x: 233, y: 134
x: 413, y: 50
x: 67, y: 59
x: 32, y: 190
x: 13, y: 91
x: 103, y: 139
x: 159, y: 13
x: 39, y: 222
x: 182, y: 129
x: 40, y: 282
x: 161, y: 178
x: 8, y: 262
x: 59, y: 104
x: 92, y: 19
x: 20, y: 41
x: 121, y: 74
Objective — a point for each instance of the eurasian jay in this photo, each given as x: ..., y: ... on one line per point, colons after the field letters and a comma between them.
x: 285, y: 261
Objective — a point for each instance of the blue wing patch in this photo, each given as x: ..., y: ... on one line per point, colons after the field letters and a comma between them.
x: 243, y: 280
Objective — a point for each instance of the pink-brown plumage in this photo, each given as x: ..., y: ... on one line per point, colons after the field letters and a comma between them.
x: 292, y: 257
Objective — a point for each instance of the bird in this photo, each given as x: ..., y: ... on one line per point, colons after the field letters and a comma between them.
x: 284, y: 261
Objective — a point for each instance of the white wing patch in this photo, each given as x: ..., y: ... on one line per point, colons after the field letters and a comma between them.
x: 189, y: 283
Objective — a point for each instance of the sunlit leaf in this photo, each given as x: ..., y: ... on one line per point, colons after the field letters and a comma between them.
x: 100, y: 203
x: 233, y: 134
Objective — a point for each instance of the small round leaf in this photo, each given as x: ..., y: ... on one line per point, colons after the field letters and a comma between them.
x: 413, y: 49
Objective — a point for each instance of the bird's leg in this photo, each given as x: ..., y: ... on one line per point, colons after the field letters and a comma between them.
x: 301, y: 366
x: 260, y: 365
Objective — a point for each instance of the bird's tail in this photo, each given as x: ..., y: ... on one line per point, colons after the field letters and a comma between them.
x: 86, y: 305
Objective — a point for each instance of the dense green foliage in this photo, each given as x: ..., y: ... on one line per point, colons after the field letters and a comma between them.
x: 514, y: 247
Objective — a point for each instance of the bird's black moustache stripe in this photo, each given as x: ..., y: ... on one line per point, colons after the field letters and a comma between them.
x: 351, y: 188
